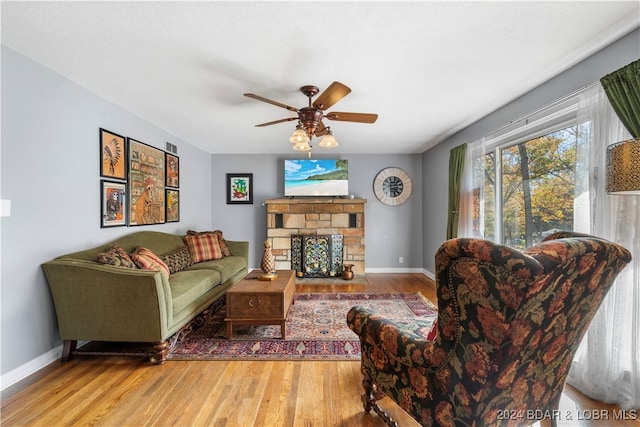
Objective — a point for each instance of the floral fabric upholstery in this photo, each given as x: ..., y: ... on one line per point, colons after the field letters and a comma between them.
x: 509, y: 323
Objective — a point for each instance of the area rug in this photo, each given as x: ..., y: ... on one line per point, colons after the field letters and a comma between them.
x: 316, y: 329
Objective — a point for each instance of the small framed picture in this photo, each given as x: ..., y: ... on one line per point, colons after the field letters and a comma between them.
x: 239, y: 188
x: 173, y: 205
x: 172, y: 168
x: 113, y: 155
x: 113, y: 204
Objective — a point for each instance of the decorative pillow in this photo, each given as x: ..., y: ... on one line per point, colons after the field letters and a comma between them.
x: 203, y: 246
x: 116, y: 256
x: 147, y: 260
x: 223, y: 244
x: 177, y: 260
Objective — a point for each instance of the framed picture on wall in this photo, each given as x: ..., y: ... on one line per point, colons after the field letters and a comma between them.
x: 113, y: 155
x: 239, y: 188
x: 113, y: 210
x: 172, y: 166
x: 146, y: 184
x: 173, y: 205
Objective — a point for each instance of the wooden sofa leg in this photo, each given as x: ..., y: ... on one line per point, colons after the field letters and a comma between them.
x: 68, y: 347
x: 161, y: 352
x: 371, y: 394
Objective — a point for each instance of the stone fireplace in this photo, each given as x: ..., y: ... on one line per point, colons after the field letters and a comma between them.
x: 314, y: 220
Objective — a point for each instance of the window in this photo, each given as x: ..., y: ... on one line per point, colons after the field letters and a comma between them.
x: 525, y: 177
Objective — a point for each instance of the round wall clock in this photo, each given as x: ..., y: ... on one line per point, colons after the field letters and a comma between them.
x: 392, y: 186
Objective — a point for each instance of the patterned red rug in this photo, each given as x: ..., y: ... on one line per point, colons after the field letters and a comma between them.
x: 316, y: 329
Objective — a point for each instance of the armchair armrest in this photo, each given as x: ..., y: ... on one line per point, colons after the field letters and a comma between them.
x: 398, y: 341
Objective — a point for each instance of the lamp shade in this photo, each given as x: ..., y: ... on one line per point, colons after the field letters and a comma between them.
x: 299, y: 136
x: 623, y: 167
x: 302, y: 146
x: 328, y: 141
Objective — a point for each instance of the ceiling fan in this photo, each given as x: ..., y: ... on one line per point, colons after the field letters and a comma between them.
x: 310, y: 118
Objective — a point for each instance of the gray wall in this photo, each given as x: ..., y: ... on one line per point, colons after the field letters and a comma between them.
x: 50, y: 173
x: 435, y: 162
x: 389, y: 232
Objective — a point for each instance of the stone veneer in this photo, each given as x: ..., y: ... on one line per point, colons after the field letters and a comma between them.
x: 286, y: 217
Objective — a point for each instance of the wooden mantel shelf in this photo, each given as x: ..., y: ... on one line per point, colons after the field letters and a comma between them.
x: 309, y: 200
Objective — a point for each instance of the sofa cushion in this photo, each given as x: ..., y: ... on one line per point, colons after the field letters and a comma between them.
x: 227, y: 267
x: 188, y: 285
x: 178, y: 259
x: 116, y: 256
x: 203, y: 247
x: 147, y: 260
x: 223, y: 244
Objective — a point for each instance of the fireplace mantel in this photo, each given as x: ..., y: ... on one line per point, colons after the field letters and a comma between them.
x: 316, y: 215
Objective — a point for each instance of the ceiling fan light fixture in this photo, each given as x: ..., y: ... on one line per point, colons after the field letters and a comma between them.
x: 299, y: 136
x: 302, y: 146
x: 328, y: 141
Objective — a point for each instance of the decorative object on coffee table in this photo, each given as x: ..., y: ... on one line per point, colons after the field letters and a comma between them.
x: 347, y: 274
x: 268, y: 263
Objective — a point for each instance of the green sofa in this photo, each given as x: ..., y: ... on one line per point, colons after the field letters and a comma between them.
x: 98, y: 302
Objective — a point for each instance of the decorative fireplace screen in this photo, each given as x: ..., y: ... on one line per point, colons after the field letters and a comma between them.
x: 317, y: 256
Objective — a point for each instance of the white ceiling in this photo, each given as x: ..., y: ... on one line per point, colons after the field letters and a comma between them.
x: 428, y: 69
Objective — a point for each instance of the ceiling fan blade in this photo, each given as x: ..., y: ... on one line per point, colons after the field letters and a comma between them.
x: 269, y: 101
x: 334, y: 93
x: 352, y: 117
x: 276, y: 122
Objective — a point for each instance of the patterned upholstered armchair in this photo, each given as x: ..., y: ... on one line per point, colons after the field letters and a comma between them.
x: 509, y: 323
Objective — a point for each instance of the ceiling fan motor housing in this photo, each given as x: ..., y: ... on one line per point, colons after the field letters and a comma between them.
x: 310, y: 118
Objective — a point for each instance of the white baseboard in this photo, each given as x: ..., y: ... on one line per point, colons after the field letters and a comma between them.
x: 401, y: 270
x: 22, y: 372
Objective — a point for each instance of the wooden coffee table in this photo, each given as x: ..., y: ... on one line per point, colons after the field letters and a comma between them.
x: 255, y: 302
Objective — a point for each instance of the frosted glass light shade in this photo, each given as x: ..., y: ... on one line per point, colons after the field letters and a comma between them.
x: 302, y: 146
x: 328, y: 141
x: 299, y: 136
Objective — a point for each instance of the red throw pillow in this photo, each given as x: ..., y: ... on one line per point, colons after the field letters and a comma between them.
x: 147, y: 260
x: 203, y: 246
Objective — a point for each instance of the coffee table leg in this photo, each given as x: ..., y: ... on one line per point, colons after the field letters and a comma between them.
x: 283, y: 329
x: 229, y: 330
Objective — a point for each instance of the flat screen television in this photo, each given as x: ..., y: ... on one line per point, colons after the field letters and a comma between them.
x: 311, y: 177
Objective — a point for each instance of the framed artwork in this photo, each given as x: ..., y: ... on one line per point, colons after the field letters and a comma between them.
x: 239, y: 188
x: 146, y: 184
x: 113, y: 155
x: 172, y: 166
x: 173, y: 205
x: 113, y: 210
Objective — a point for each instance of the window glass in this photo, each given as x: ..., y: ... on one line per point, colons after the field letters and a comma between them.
x: 533, y: 183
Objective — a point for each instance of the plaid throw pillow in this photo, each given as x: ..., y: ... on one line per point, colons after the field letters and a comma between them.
x: 177, y: 260
x: 223, y: 244
x: 203, y: 246
x: 147, y: 260
x: 116, y: 256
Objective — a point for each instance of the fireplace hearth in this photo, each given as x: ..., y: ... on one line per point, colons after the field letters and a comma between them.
x: 321, y: 222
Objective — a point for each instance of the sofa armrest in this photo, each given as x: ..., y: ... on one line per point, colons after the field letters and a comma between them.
x: 238, y: 248
x: 99, y: 302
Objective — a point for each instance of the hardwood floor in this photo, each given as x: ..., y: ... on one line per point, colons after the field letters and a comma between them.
x: 128, y: 392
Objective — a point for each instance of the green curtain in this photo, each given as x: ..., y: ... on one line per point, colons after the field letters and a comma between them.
x: 456, y: 167
x: 623, y: 90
